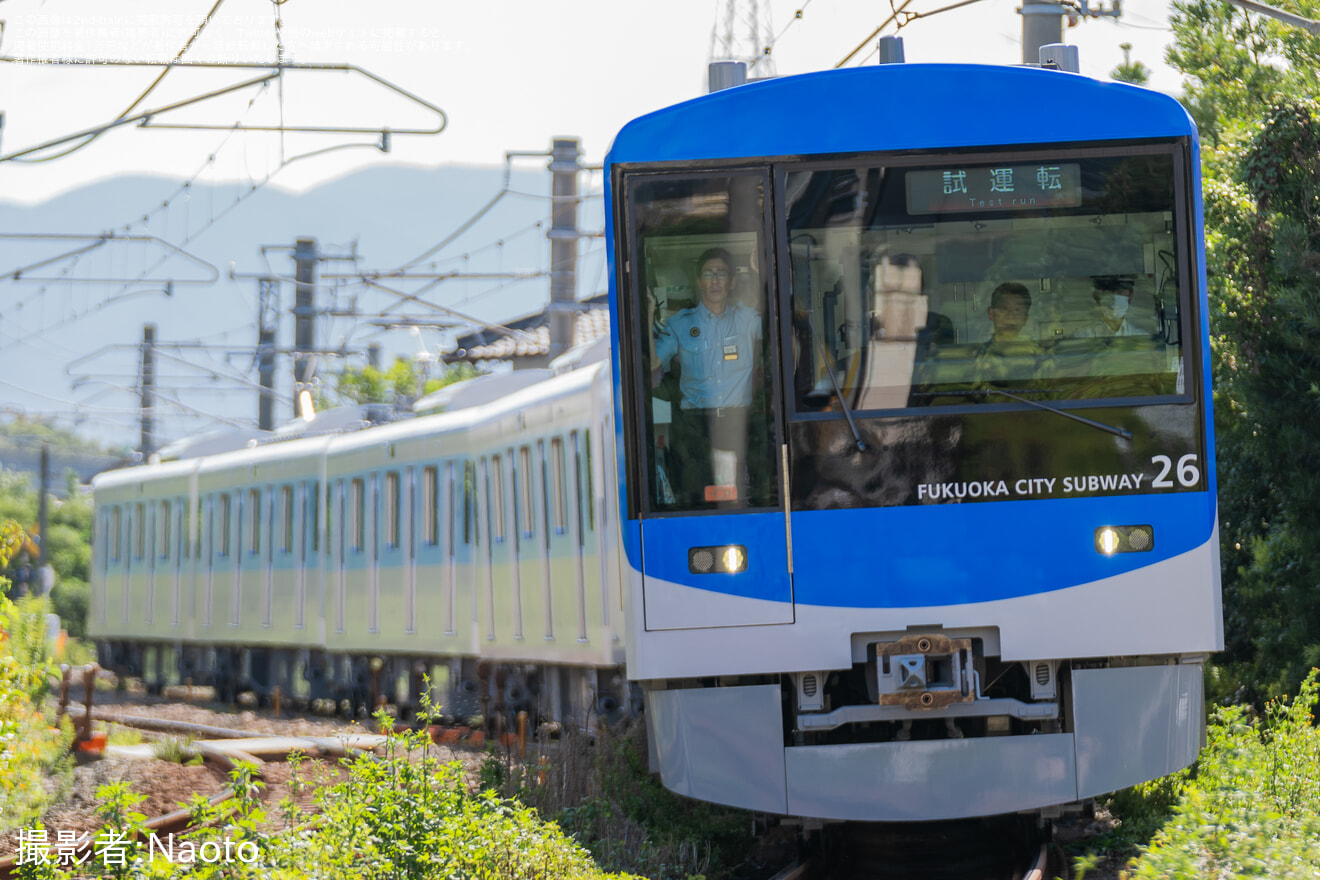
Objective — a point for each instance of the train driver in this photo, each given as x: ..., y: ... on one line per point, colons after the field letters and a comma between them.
x: 717, y: 344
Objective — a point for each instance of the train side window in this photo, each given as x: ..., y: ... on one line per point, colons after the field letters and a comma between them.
x: 430, y: 505
x: 334, y: 517
x: 559, y: 499
x: 470, y: 502
x: 576, y: 442
x: 224, y: 524
x: 356, y: 520
x: 139, y: 531
x: 314, y: 516
x: 392, y: 509
x: 254, y: 521
x: 591, y: 493
x: 526, y: 507
x: 495, y: 504
x: 163, y: 530
x: 450, y: 505
x: 116, y: 536
x: 286, y: 508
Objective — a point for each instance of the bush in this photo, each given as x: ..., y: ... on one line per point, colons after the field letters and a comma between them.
x: 1253, y: 809
x: 30, y: 748
x: 70, y: 599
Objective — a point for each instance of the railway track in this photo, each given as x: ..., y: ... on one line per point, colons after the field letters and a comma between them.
x: 1002, y: 848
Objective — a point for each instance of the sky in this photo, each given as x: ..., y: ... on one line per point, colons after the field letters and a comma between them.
x: 497, y: 76
x: 509, y: 75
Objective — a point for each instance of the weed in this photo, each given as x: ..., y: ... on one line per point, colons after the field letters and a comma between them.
x: 173, y: 749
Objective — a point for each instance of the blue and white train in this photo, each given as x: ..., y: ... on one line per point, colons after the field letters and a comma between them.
x: 947, y: 562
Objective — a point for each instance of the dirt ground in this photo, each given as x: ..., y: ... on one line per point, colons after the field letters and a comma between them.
x: 168, y: 786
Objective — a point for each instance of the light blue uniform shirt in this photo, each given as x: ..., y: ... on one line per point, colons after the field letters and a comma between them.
x: 716, y: 354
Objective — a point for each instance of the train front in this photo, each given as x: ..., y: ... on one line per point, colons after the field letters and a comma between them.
x: 912, y: 404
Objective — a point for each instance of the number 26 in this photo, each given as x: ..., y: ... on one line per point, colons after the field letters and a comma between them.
x: 1188, y: 473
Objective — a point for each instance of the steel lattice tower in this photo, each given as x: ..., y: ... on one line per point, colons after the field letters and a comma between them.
x: 742, y: 33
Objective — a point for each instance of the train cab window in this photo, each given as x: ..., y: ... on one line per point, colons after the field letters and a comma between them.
x: 163, y: 530
x: 356, y: 519
x: 974, y: 281
x: 701, y: 300
x: 286, y: 519
x: 392, y: 509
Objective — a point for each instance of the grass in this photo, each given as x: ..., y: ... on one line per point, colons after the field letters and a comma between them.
x: 1249, y: 808
x: 598, y: 788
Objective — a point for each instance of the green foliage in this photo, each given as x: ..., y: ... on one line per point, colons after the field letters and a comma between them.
x: 1253, y: 809
x: 70, y: 599
x: 1250, y: 83
x: 20, y: 431
x: 1130, y: 71
x: 24, y: 622
x: 603, y: 794
x: 30, y: 748
x: 400, y: 384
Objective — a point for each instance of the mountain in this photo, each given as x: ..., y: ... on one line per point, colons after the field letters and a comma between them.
x: 71, y: 347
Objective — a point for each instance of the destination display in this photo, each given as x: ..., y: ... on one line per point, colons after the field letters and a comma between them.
x: 994, y: 188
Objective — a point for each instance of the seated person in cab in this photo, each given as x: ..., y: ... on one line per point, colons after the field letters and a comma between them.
x: 1124, y: 358
x: 1008, y: 359
x: 716, y: 344
x: 1111, y: 316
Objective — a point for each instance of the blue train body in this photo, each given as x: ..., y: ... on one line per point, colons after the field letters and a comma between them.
x: 965, y: 557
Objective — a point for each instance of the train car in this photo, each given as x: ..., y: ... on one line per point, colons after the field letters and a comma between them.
x: 917, y: 484
x: 474, y: 547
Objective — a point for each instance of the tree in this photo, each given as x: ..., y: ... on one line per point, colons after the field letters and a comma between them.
x: 401, y: 384
x: 1251, y: 81
x: 68, y: 544
x: 1129, y: 71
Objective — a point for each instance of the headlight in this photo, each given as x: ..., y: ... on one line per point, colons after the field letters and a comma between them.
x: 728, y: 559
x: 1124, y: 539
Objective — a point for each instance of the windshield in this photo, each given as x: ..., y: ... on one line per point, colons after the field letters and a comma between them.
x: 926, y: 286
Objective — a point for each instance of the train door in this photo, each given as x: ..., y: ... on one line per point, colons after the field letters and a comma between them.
x: 705, y: 475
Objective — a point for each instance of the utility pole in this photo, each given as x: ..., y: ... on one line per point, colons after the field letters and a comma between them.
x: 42, y: 554
x: 1042, y: 22
x: 304, y: 314
x: 268, y: 316
x: 563, y: 235
x: 148, y: 391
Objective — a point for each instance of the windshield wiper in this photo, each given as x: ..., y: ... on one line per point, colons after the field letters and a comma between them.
x: 843, y: 404
x: 1117, y: 432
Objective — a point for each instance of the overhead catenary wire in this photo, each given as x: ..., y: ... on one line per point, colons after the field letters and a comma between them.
x: 769, y: 47
x: 197, y: 32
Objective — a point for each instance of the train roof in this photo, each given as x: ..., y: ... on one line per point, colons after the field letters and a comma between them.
x: 920, y: 106
x: 545, y: 391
